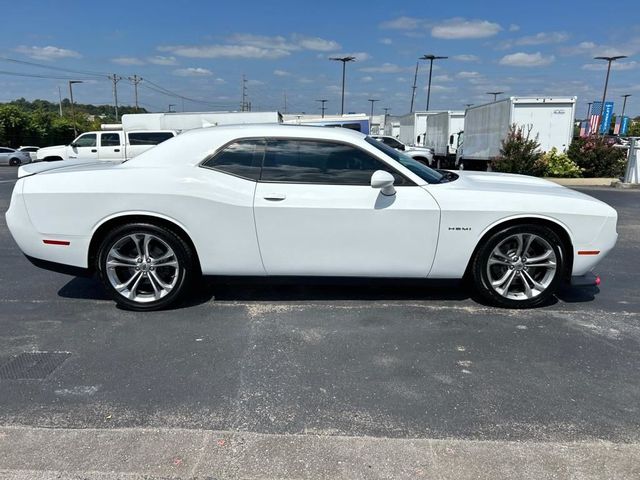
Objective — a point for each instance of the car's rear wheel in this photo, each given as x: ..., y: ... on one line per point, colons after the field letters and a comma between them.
x: 145, y: 266
x: 519, y: 266
x: 14, y: 162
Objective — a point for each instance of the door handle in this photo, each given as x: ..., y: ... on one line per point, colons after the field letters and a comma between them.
x: 116, y: 149
x: 275, y: 197
x: 93, y: 150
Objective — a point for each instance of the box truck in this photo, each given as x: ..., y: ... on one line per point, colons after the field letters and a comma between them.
x: 485, y: 126
x: 180, y: 122
x: 413, y: 127
x: 442, y: 136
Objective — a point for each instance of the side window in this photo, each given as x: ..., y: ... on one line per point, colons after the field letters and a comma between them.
x: 5, y: 150
x: 86, y: 140
x: 148, y: 138
x: 110, y: 139
x: 242, y: 158
x: 310, y: 161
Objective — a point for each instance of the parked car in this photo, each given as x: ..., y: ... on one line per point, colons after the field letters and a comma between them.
x: 32, y: 151
x: 421, y: 154
x: 9, y: 156
x: 296, y: 200
x: 107, y: 145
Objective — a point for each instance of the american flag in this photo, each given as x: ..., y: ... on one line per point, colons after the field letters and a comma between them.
x: 594, y: 116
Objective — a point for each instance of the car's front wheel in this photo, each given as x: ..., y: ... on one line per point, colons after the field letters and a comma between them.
x: 519, y: 266
x: 145, y: 266
x: 15, y: 162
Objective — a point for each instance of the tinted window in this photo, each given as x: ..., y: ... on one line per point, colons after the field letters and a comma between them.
x: 5, y: 150
x: 110, y: 139
x: 29, y: 149
x: 428, y: 174
x: 242, y: 158
x: 310, y: 161
x: 149, y: 138
x: 88, y: 140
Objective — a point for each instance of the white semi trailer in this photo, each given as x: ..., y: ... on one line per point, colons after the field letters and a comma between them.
x: 442, y: 136
x: 413, y: 127
x: 485, y: 126
x: 180, y: 122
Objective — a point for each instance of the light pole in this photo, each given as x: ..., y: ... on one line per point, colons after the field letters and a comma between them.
x: 323, y: 108
x: 171, y: 105
x: 372, y: 100
x: 73, y: 112
x: 344, y: 61
x: 609, y: 61
x: 386, y: 111
x: 431, y: 58
x: 624, y: 103
x: 413, y: 89
x: 468, y: 105
x: 495, y: 95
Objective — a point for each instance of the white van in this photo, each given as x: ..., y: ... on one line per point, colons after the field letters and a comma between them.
x: 106, y: 145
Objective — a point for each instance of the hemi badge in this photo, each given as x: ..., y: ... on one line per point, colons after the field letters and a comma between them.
x: 56, y: 242
x: 588, y: 252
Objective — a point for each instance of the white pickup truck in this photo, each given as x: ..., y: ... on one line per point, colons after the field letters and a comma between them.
x: 106, y: 145
x: 422, y: 154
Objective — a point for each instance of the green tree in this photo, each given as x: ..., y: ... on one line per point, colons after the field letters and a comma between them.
x: 14, y: 126
x: 520, y: 153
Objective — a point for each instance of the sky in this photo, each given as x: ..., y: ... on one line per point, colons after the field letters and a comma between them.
x: 193, y: 54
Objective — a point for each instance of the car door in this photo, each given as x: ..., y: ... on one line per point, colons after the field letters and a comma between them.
x: 317, y: 214
x: 111, y: 147
x: 4, y: 155
x: 85, y: 147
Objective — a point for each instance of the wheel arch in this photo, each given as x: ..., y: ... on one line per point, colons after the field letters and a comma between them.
x: 101, y: 230
x: 559, y: 228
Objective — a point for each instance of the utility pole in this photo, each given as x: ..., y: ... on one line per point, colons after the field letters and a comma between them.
x: 386, y: 111
x: 115, y: 79
x: 60, y: 98
x: 243, y: 104
x: 322, y: 107
x: 415, y: 85
x: 610, y: 60
x: 135, y: 80
x: 431, y: 58
x: 372, y: 100
x: 344, y: 61
x: 73, y: 113
x: 495, y: 95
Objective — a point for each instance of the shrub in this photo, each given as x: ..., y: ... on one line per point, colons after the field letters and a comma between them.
x: 597, y: 157
x: 560, y: 165
x: 520, y: 153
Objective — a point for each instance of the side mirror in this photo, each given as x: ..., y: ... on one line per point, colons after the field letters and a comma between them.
x: 384, y: 181
x: 401, y: 147
x: 73, y: 145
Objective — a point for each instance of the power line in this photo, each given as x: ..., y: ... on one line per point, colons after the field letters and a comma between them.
x: 34, y: 75
x: 51, y: 67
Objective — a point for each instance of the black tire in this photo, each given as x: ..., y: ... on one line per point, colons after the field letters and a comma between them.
x: 480, y: 267
x: 15, y: 162
x: 422, y: 160
x: 185, y: 271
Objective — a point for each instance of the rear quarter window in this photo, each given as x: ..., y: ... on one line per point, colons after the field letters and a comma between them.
x: 148, y: 138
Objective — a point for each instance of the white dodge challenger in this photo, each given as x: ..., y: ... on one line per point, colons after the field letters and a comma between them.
x: 297, y: 200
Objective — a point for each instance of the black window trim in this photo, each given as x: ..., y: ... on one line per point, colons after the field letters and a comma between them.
x: 409, y: 182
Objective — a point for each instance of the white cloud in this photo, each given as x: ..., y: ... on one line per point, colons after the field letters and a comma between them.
x: 386, y: 41
x: 316, y: 43
x: 619, y: 65
x: 402, y: 23
x: 367, y: 79
x: 281, y: 73
x: 522, y: 59
x: 161, y: 60
x: 193, y: 72
x: 467, y: 75
x: 466, y: 58
x: 385, y: 68
x: 442, y: 78
x: 47, y: 53
x: 127, y: 61
x: 225, y: 51
x: 459, y: 28
x: 593, y: 49
x: 514, y: 28
x: 542, y: 38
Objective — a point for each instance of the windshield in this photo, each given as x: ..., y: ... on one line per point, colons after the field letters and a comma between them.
x: 429, y: 175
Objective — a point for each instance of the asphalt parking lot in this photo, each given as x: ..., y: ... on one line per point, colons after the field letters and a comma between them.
x: 383, y: 359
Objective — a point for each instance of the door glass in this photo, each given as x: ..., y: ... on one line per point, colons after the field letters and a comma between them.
x: 312, y: 161
x: 110, y: 139
x: 87, y: 140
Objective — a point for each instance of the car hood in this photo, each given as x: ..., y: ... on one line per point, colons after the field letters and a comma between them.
x: 65, y: 166
x: 508, y: 182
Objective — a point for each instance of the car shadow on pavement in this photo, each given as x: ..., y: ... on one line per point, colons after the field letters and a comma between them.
x: 278, y: 289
